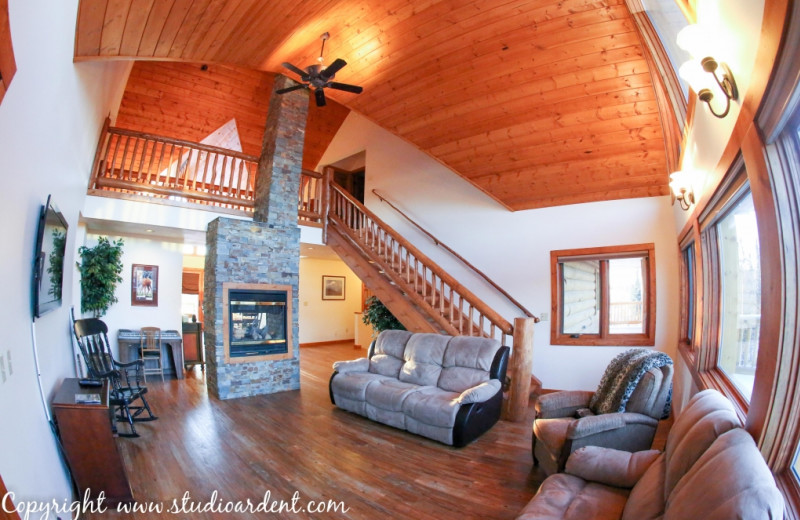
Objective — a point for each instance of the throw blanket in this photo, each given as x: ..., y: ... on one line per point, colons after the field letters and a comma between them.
x: 621, y: 377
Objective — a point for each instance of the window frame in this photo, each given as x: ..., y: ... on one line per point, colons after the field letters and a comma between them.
x: 604, y: 338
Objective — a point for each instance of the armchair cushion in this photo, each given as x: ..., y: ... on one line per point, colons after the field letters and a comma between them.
x: 609, y: 466
x: 354, y: 365
x: 562, y: 404
x: 564, y: 496
x: 480, y: 393
x: 621, y: 378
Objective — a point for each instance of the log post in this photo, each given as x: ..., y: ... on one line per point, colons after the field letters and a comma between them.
x: 327, y: 178
x: 520, y: 368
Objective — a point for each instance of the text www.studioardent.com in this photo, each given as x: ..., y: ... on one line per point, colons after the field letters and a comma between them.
x: 187, y: 504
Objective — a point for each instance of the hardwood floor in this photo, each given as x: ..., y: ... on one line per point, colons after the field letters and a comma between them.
x: 298, y: 442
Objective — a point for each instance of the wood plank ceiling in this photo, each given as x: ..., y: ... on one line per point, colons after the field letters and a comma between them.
x: 537, y: 103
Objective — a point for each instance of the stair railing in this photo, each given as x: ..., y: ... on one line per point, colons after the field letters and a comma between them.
x: 463, y: 260
x: 453, y: 306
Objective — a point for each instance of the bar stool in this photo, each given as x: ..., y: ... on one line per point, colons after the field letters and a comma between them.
x: 150, y: 352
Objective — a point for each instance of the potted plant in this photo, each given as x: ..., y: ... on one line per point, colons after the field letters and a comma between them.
x: 379, y: 317
x: 100, y: 268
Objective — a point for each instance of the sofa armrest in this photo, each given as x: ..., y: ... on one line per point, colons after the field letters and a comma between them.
x: 480, y: 393
x: 593, y: 424
x: 354, y: 365
x: 609, y: 466
x: 562, y: 404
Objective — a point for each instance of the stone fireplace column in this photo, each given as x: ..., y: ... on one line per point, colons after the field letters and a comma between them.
x: 265, y: 250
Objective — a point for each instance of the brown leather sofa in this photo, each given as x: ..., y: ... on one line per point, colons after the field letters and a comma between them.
x: 710, y: 470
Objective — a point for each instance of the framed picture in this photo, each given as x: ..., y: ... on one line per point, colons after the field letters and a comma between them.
x: 332, y: 287
x: 144, y: 285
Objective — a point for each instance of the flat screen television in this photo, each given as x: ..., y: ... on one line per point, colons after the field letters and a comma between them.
x: 48, y: 262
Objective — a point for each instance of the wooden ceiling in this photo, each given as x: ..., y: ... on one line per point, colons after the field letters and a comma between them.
x: 190, y: 101
x: 538, y: 103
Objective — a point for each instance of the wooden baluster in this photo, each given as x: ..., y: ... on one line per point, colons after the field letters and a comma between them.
x: 168, y: 178
x: 216, y: 177
x: 124, y: 157
x: 460, y: 314
x: 114, y: 159
x: 424, y: 280
x: 188, y: 171
x: 452, y: 304
x: 441, y: 298
x: 138, y: 170
x: 471, y: 321
x: 480, y: 325
x: 237, y: 175
x: 150, y: 164
x: 129, y: 171
x: 198, y: 174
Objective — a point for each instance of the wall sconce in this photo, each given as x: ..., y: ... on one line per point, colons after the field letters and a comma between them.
x: 696, y: 72
x: 682, y: 191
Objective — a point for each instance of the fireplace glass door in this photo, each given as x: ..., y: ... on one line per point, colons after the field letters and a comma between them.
x: 257, y: 323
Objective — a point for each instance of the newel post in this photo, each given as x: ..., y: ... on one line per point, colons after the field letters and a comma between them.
x: 520, y: 369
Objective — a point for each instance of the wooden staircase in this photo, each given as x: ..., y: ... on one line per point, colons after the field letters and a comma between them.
x: 418, y: 292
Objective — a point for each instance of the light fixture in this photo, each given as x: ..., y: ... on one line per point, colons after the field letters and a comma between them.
x: 682, y: 191
x: 696, y: 72
x: 324, y: 38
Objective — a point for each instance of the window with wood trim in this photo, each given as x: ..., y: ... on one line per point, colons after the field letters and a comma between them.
x: 731, y: 288
x: 688, y: 294
x: 603, y: 296
x: 8, y: 66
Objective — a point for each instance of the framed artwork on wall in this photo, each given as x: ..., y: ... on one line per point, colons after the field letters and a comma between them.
x: 144, y: 285
x: 332, y: 287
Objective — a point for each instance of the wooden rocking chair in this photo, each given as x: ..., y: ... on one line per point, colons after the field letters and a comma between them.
x: 124, y: 379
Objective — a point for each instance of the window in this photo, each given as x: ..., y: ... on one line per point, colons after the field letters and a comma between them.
x: 688, y: 294
x: 603, y: 296
x: 740, y: 310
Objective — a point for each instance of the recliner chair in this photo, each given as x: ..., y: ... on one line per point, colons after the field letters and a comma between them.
x: 568, y: 420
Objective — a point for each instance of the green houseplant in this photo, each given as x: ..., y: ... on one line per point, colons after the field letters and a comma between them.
x: 379, y: 317
x: 100, y: 268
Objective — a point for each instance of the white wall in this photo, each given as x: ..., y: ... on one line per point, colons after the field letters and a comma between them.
x: 513, y: 248
x: 50, y: 119
x: 168, y: 257
x: 326, y: 320
x: 734, y: 28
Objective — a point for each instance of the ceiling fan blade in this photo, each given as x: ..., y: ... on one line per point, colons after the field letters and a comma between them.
x: 320, y: 95
x: 290, y: 89
x: 355, y: 89
x: 332, y: 69
x: 300, y: 72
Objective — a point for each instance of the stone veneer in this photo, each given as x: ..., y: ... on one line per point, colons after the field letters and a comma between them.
x: 242, y: 251
x: 265, y: 250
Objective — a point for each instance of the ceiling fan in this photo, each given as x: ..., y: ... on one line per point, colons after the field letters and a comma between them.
x: 319, y: 78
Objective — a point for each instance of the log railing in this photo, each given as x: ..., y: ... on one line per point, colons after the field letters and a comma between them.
x: 130, y: 163
x: 454, y: 308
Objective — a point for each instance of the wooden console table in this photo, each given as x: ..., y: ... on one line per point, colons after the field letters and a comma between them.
x: 131, y: 339
x: 89, y: 445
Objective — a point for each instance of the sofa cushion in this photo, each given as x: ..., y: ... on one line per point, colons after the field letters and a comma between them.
x: 467, y: 362
x: 609, y: 466
x: 568, y: 497
x: 387, y: 357
x: 707, y: 415
x: 730, y: 480
x: 423, y: 359
x: 389, y: 394
x: 433, y: 406
x: 646, y: 501
x: 353, y: 385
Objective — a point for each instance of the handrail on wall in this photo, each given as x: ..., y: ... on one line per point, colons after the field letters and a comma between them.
x: 459, y: 257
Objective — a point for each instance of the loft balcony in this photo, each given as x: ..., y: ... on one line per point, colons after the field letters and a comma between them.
x: 144, y: 167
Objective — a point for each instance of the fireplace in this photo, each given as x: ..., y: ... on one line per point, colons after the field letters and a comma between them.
x: 256, y: 326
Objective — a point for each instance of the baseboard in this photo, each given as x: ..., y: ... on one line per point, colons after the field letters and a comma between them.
x: 326, y: 343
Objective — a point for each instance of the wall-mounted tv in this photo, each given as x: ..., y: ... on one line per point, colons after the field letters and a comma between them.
x: 48, y: 262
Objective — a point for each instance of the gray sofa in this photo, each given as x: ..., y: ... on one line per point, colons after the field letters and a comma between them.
x: 710, y: 470
x: 446, y: 388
